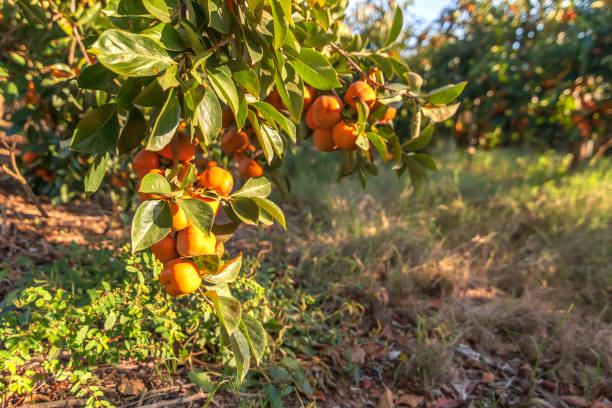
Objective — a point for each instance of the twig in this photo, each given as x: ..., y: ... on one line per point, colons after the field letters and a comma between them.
x: 58, y: 404
x: 75, y: 30
x: 16, y: 174
x: 182, y: 400
x: 358, y: 68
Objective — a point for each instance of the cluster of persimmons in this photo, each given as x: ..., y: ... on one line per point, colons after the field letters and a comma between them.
x: 180, y: 274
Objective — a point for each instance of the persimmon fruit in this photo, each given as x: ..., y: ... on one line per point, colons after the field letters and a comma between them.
x: 165, y: 250
x: 181, y: 274
x: 193, y: 242
x: 218, y: 179
x: 234, y: 141
x: 144, y: 162
x: 326, y: 111
x: 186, y: 149
x: 323, y: 140
x: 345, y: 135
x: 29, y: 157
x: 179, y: 218
x: 360, y: 90
x: 249, y: 168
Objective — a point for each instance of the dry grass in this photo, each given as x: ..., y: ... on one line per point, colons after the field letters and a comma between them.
x: 502, y: 247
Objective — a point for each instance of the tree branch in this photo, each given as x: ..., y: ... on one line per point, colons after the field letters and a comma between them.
x: 16, y: 174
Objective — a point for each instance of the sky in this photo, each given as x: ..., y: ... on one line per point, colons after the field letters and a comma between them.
x: 427, y: 10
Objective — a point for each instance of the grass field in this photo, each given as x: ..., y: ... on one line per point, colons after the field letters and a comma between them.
x: 492, y: 285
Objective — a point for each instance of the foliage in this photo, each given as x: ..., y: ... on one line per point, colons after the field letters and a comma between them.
x: 537, y: 72
x: 165, y: 77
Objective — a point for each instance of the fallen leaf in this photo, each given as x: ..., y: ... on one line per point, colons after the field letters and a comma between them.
x: 386, y: 399
x: 320, y: 396
x: 356, y: 355
x: 488, y: 378
x: 410, y: 400
x: 435, y: 303
x: 131, y: 386
x: 576, y: 401
x: 447, y: 403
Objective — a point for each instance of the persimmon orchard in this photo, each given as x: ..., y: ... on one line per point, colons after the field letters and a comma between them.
x: 203, y: 100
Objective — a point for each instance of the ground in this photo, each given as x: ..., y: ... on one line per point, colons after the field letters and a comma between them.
x: 489, y: 288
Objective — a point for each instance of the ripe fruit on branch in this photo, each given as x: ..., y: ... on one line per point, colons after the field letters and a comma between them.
x: 309, y: 95
x: 249, y: 168
x: 145, y: 161
x: 345, y: 135
x: 323, y: 140
x: 309, y: 119
x: 275, y: 100
x: 182, y: 275
x: 44, y: 174
x: 193, y: 242
x: 165, y: 250
x: 218, y: 179
x: 360, y: 90
x: 227, y: 117
x: 29, y: 157
x: 234, y: 141
x: 326, y: 111
x: 186, y: 149
x: 179, y: 218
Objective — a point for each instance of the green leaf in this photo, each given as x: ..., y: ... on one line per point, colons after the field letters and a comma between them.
x: 166, y: 122
x: 221, y: 81
x: 168, y: 79
x: 281, y: 23
x: 151, y: 223
x: 417, y: 172
x: 379, y: 144
x: 396, y: 27
x: 134, y: 131
x: 33, y: 11
x: 95, y: 77
x: 426, y: 160
x: 244, y: 76
x: 208, y: 116
x: 130, y: 54
x: 245, y: 209
x: 155, y: 183
x: 255, y: 335
x: 228, y: 272
x: 240, y: 347
x: 228, y: 311
x: 98, y: 131
x: 129, y: 90
x: 199, y: 213
x: 255, y: 187
x: 95, y: 173
x: 110, y: 321
x: 421, y: 141
x: 271, y: 208
x: 446, y: 94
x: 219, y: 17
x: 167, y: 35
x: 81, y: 334
x: 201, y: 379
x: 151, y: 95
x: 440, y: 113
x: 274, y: 116
x: 291, y: 90
x: 315, y: 69
x: 264, y: 140
x: 158, y: 8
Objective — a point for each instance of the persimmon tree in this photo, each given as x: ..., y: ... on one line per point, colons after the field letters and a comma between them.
x: 206, y: 98
x: 538, y: 73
